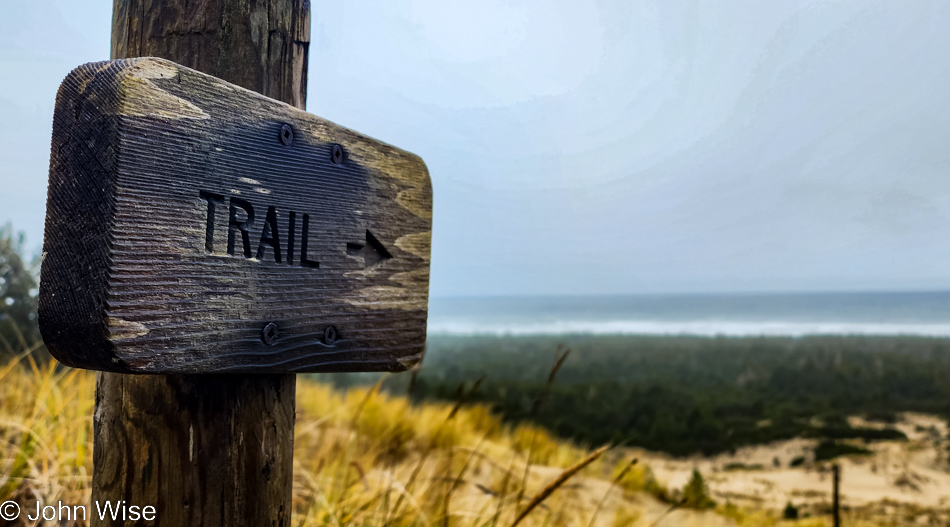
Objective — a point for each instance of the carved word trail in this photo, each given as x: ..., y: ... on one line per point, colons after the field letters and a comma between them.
x: 270, y: 235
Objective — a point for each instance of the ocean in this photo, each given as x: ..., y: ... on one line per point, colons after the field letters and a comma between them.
x: 921, y: 314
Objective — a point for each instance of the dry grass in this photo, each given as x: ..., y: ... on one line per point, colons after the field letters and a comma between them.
x: 365, y: 458
x: 46, y: 433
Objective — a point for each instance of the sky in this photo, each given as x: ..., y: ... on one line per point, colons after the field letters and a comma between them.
x: 606, y: 147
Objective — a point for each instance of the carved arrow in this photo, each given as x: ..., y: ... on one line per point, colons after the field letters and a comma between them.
x: 372, y: 252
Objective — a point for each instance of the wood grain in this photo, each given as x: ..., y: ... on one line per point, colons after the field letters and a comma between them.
x: 209, y: 450
x: 190, y: 163
x: 259, y: 45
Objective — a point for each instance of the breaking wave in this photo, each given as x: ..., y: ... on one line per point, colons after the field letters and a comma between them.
x: 704, y: 328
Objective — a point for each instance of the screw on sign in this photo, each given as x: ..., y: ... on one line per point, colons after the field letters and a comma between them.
x: 269, y: 334
x: 336, y: 154
x: 201, y: 244
x: 330, y: 335
x: 286, y: 135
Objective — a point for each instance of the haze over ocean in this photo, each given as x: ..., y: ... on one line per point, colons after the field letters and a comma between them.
x: 914, y: 313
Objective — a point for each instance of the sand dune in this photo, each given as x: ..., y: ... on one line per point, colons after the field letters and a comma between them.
x: 913, y: 473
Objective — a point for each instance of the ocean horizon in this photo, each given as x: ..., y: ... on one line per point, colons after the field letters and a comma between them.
x: 925, y: 314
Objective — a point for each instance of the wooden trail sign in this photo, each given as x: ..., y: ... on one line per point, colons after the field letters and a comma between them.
x: 194, y: 226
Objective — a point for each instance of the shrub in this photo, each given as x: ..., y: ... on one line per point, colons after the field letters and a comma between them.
x: 867, y: 434
x: 696, y: 493
x: 790, y: 512
x: 831, y: 449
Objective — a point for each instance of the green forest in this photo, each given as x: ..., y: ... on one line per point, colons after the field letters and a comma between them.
x: 685, y: 395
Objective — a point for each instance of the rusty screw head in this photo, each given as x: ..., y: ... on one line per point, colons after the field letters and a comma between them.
x: 286, y: 134
x: 269, y: 334
x: 330, y: 335
x: 336, y: 154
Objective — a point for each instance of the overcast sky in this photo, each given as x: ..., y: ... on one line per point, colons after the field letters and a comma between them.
x: 585, y: 147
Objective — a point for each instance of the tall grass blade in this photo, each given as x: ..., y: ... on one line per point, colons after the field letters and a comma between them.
x: 568, y: 473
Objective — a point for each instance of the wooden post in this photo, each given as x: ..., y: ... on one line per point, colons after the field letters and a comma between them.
x: 836, y: 478
x: 209, y: 450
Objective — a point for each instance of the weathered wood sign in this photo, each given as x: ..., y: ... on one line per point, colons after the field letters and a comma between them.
x: 194, y: 226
